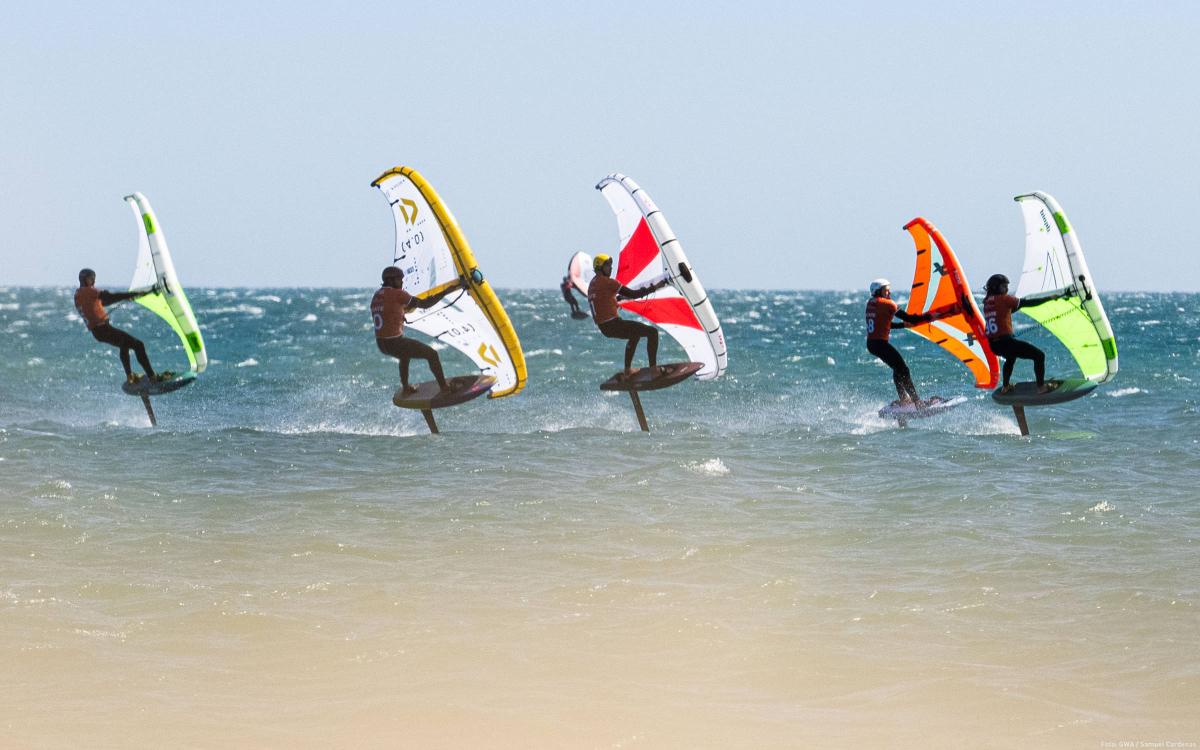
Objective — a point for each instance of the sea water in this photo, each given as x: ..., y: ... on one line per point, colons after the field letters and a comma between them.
x: 289, y: 561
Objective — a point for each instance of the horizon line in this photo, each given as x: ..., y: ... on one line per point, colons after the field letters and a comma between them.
x: 555, y: 289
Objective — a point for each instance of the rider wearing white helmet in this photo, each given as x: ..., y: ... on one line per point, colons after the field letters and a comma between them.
x: 880, y: 311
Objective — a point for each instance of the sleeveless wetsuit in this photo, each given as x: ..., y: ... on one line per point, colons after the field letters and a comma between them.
x: 387, y: 312
x: 879, y: 326
x: 90, y: 302
x: 997, y: 316
x: 565, y: 287
x: 602, y: 296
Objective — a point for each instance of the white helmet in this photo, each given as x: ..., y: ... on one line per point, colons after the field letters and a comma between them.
x: 878, y: 284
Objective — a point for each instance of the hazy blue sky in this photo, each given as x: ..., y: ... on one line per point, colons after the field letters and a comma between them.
x: 786, y: 143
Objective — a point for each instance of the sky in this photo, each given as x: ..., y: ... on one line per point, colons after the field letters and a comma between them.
x: 786, y: 143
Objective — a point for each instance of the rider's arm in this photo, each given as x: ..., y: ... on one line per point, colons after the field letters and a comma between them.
x: 912, y: 320
x: 432, y: 300
x: 1035, y: 301
x: 107, y: 298
x: 628, y: 293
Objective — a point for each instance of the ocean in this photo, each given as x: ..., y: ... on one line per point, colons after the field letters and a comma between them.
x: 289, y: 561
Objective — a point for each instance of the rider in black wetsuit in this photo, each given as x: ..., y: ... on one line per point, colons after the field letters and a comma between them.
x: 603, y: 293
x: 387, y: 313
x: 90, y: 303
x: 998, y: 308
x: 880, y: 311
x: 565, y: 287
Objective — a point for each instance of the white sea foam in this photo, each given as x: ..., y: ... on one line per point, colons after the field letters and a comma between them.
x: 987, y: 421
x: 868, y: 424
x: 1126, y: 392
x: 247, y: 363
x: 338, y: 428
x: 248, y: 309
x: 712, y: 467
x: 309, y: 318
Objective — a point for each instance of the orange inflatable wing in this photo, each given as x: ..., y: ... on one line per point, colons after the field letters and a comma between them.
x: 940, y: 287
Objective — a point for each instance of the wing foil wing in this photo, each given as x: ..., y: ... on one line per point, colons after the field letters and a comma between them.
x: 580, y: 271
x: 433, y: 253
x: 939, y: 286
x: 648, y: 249
x: 1054, y: 263
x: 155, y: 270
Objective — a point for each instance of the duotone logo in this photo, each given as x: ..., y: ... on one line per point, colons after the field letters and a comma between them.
x: 405, y: 205
x: 493, y: 360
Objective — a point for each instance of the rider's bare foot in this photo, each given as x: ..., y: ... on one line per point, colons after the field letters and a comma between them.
x: 407, y: 391
x: 133, y: 378
x: 1048, y: 387
x: 447, y: 387
x: 1007, y: 388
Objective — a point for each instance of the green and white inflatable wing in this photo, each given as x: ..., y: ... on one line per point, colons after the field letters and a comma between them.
x: 1054, y: 263
x: 156, y: 271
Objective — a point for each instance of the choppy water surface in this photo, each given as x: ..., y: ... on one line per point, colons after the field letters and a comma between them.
x: 290, y: 561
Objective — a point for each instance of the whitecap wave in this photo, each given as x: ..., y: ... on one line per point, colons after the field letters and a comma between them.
x: 1126, y: 392
x: 713, y: 467
x: 248, y: 309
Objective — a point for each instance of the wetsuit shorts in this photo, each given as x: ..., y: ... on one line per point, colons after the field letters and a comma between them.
x: 405, y: 348
x: 619, y: 328
x: 1012, y: 349
x: 105, y: 333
